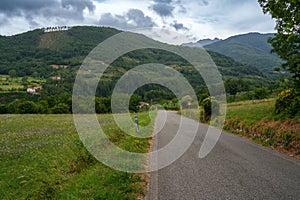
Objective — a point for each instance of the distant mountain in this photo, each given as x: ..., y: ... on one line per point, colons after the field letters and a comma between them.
x: 252, y: 49
x: 201, y: 43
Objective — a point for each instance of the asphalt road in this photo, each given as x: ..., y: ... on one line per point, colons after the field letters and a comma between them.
x: 235, y: 169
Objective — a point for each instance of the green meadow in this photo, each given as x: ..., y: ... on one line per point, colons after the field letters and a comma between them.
x: 42, y: 157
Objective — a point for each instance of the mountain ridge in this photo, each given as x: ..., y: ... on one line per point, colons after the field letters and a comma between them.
x: 252, y: 49
x: 201, y: 43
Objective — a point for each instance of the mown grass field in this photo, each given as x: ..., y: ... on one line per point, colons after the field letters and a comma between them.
x: 43, y: 158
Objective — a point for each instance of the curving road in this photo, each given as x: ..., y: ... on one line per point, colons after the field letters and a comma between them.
x: 235, y: 169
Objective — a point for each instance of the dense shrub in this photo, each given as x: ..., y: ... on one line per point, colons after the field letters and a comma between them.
x: 288, y: 103
x: 60, y: 108
x: 27, y: 107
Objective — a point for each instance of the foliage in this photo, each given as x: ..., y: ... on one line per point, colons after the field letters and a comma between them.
x: 102, y: 105
x: 261, y: 93
x: 288, y: 102
x: 12, y: 73
x: 27, y: 107
x: 209, y: 105
x: 60, y: 108
x: 134, y: 102
x: 286, y: 42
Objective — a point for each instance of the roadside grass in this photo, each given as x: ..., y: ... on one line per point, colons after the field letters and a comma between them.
x: 43, y: 158
x: 256, y: 120
x: 251, y: 111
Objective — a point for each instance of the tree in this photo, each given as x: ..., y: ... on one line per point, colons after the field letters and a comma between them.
x: 210, y: 105
x: 60, y: 108
x: 134, y: 102
x: 261, y: 93
x: 35, y: 75
x: 43, y: 107
x: 286, y: 42
x: 27, y: 107
x: 12, y: 73
x: 102, y: 105
x: 25, y: 81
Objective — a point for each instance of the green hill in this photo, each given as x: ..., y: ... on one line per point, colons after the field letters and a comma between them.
x: 37, y: 50
x: 252, y: 49
x: 60, y: 53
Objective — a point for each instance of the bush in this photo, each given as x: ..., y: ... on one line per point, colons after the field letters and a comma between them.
x: 210, y: 104
x: 288, y: 103
x: 3, y: 109
x: 27, y: 107
x: 61, y: 108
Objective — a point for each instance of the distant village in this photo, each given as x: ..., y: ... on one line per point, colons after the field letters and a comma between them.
x: 56, y: 28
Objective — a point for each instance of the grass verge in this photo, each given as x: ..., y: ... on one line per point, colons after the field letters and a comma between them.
x: 256, y: 120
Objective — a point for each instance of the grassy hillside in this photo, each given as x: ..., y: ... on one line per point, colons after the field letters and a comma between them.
x: 43, y: 158
x: 252, y: 49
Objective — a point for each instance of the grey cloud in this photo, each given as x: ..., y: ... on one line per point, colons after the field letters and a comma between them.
x: 31, y: 21
x: 163, y: 9
x: 179, y: 26
x: 204, y: 2
x: 51, y: 8
x: 116, y: 21
x: 79, y: 5
x: 139, y: 18
x: 163, y: 1
x: 12, y: 7
x: 182, y: 9
x: 3, y: 21
x: 134, y: 18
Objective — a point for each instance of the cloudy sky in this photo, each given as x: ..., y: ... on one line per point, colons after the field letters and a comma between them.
x: 195, y: 19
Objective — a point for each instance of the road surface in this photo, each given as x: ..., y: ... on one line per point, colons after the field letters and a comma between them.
x: 235, y: 169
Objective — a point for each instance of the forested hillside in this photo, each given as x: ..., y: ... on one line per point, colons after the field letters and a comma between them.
x: 54, y: 57
x: 252, y: 49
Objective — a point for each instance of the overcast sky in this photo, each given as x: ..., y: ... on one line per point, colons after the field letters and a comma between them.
x: 196, y: 19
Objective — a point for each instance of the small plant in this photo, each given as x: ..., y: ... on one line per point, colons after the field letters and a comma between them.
x: 286, y: 139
